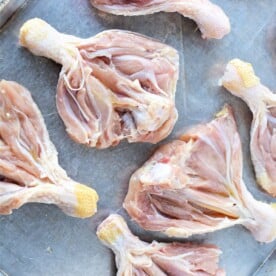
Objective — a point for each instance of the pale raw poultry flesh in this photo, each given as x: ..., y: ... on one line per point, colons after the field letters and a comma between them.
x: 29, y: 166
x: 194, y: 185
x: 138, y: 258
x: 113, y: 86
x: 240, y: 79
x: 211, y: 20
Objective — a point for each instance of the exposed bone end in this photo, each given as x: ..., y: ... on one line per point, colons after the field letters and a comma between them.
x: 33, y: 30
x: 111, y: 228
x: 87, y: 199
x: 239, y: 77
x: 215, y: 24
x: 266, y: 183
x: 221, y: 32
x: 43, y: 40
x: 240, y: 80
x: 246, y: 72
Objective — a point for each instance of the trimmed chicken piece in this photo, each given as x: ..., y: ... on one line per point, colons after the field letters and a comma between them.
x: 113, y: 86
x: 138, y: 258
x: 210, y: 18
x: 239, y: 78
x: 29, y: 166
x: 194, y: 185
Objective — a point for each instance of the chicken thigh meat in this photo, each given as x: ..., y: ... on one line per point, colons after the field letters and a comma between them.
x: 29, y: 166
x: 138, y: 258
x: 194, y: 185
x: 210, y: 18
x: 113, y: 86
x: 239, y: 78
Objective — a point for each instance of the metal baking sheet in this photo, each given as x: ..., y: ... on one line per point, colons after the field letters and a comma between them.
x: 39, y: 239
x: 8, y: 8
x: 268, y: 266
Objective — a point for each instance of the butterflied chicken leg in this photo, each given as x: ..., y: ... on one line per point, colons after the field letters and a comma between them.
x: 113, y: 86
x: 240, y: 79
x: 135, y: 257
x: 194, y: 185
x: 29, y: 166
x: 211, y: 20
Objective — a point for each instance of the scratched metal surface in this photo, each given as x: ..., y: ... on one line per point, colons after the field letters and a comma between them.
x: 268, y: 267
x: 7, y: 8
x: 40, y: 239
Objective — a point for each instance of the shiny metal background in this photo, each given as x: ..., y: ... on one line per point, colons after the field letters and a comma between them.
x: 39, y: 239
x: 7, y: 8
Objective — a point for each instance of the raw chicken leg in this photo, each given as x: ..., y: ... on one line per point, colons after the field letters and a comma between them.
x: 135, y: 257
x: 240, y: 79
x: 113, y: 86
x: 211, y: 20
x: 194, y: 185
x: 29, y: 166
